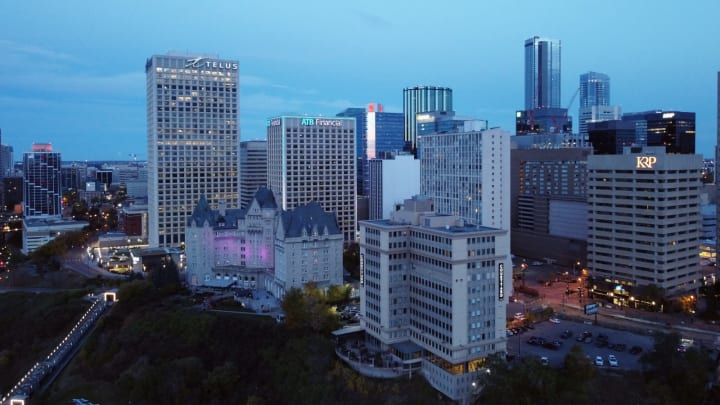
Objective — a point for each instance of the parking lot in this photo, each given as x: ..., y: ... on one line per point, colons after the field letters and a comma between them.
x: 549, y: 333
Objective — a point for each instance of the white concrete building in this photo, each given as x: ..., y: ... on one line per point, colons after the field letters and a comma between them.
x: 391, y: 181
x: 313, y: 159
x: 468, y: 174
x: 38, y: 231
x: 644, y: 221
x: 434, y: 291
x: 193, y: 140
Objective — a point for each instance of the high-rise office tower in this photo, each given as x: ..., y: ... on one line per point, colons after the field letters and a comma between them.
x: 656, y: 239
x: 6, y: 160
x: 467, y: 173
x: 675, y: 130
x: 543, y: 112
x: 379, y: 132
x: 595, y: 101
x: 313, y: 159
x: 420, y: 99
x: 594, y: 89
x: 542, y: 73
x: 42, y: 188
x: 193, y: 140
x: 253, y: 170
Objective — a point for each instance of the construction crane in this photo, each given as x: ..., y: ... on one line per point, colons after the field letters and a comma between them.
x: 572, y: 99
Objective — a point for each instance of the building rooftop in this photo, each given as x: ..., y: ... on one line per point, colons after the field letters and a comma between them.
x: 466, y: 228
x: 309, y: 217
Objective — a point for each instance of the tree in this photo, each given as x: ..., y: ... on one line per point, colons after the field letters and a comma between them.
x: 351, y: 260
x: 578, y: 372
x: 164, y: 273
x: 293, y: 305
x: 526, y: 382
x: 677, y: 377
x: 308, y: 309
x: 338, y: 294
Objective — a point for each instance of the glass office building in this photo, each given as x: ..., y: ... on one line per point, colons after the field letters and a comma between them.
x: 673, y: 129
x: 420, y: 99
x: 542, y: 73
x: 42, y: 182
x: 594, y: 89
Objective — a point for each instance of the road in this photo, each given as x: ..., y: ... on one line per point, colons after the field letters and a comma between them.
x: 620, y: 318
x: 78, y: 261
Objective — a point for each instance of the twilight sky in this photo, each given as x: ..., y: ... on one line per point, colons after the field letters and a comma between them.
x: 72, y: 71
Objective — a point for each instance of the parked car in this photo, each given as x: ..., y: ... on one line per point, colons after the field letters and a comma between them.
x: 635, y: 350
x: 620, y: 347
x: 599, y: 361
x: 554, y: 320
x: 612, y: 360
x: 566, y: 335
x: 544, y: 361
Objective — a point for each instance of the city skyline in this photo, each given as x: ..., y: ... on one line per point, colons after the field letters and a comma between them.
x: 81, y: 86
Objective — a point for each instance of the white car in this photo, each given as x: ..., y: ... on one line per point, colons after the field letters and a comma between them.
x: 544, y: 361
x: 554, y: 320
x: 612, y: 360
x: 519, y: 316
x: 599, y: 361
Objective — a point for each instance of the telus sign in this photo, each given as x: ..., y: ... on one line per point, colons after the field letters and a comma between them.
x: 210, y: 64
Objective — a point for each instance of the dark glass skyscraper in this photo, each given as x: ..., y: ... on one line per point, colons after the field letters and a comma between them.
x: 422, y: 99
x: 673, y: 129
x: 41, y: 182
x: 542, y: 73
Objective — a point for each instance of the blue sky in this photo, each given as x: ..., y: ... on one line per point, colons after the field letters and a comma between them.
x: 72, y: 72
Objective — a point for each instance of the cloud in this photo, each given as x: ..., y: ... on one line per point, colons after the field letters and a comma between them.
x: 121, y: 85
x: 257, y: 81
x: 12, y: 48
x: 373, y: 20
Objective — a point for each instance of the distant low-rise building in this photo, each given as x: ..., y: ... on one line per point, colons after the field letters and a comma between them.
x: 38, y: 231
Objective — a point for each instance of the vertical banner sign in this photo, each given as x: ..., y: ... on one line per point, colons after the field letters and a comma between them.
x: 501, y: 281
x: 362, y: 268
